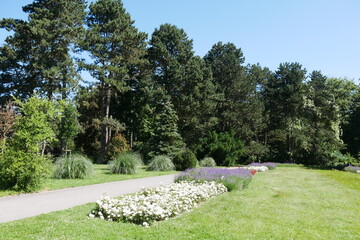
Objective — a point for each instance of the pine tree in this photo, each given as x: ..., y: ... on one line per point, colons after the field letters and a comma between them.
x: 165, y: 138
x: 285, y: 96
x: 225, y: 61
x: 37, y: 56
x: 117, y: 49
x: 186, y: 79
x: 323, y: 121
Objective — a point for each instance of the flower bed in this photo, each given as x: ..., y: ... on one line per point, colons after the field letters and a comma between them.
x: 156, y: 204
x: 236, y: 178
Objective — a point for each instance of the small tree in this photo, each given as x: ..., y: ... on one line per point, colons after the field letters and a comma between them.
x: 23, y: 164
x: 165, y: 138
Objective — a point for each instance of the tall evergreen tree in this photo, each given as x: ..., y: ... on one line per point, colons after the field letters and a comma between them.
x: 256, y: 117
x: 164, y: 135
x: 38, y: 56
x: 285, y: 96
x: 323, y: 121
x: 117, y: 49
x: 185, y: 78
x: 225, y: 61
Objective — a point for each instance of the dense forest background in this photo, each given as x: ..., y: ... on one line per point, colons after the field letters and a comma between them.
x: 152, y: 94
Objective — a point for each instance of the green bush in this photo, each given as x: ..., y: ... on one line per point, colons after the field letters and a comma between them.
x: 185, y: 160
x: 161, y: 163
x: 207, y: 162
x: 126, y: 163
x: 74, y: 166
x: 22, y: 171
x: 224, y: 147
x: 118, y: 145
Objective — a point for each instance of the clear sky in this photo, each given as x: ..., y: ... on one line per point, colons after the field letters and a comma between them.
x: 319, y: 34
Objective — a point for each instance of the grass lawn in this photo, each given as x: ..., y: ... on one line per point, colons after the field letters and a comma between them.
x: 101, y: 175
x: 286, y: 203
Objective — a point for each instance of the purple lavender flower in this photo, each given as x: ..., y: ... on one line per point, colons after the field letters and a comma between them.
x: 255, y: 164
x: 231, y: 178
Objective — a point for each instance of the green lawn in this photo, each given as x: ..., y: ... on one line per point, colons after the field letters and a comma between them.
x: 101, y: 175
x: 286, y: 203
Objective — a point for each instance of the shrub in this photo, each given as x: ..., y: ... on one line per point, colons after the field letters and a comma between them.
x: 224, y: 147
x: 73, y: 166
x: 237, y: 178
x: 22, y: 171
x: 207, y: 162
x: 161, y: 163
x: 337, y: 158
x: 353, y: 169
x: 126, y: 163
x: 185, y: 160
x: 118, y: 145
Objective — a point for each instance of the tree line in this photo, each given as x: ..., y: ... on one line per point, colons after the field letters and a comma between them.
x: 154, y: 95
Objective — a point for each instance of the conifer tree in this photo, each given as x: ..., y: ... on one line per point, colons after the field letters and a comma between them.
x: 285, y: 95
x: 165, y: 138
x: 186, y: 79
x: 37, y: 56
x: 117, y: 49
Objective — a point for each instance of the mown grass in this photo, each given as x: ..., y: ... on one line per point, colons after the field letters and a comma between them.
x: 347, y: 179
x: 287, y: 203
x: 101, y: 175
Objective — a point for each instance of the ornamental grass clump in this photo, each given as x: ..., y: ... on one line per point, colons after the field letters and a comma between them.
x: 73, y: 166
x: 207, y: 162
x: 161, y: 163
x: 232, y: 179
x: 126, y: 163
x: 353, y: 169
x: 156, y: 204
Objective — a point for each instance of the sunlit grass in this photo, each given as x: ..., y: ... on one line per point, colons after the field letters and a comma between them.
x: 287, y: 203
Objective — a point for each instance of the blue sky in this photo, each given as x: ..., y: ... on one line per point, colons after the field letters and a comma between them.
x: 319, y: 34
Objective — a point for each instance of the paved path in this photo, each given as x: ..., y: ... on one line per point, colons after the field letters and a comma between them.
x: 28, y: 205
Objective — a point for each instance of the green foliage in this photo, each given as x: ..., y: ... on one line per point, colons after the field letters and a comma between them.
x: 39, y: 49
x: 23, y: 163
x: 285, y: 98
x: 165, y: 138
x: 69, y: 126
x: 161, y: 163
x: 33, y: 130
x: 126, y: 163
x: 224, y: 147
x: 117, y: 49
x: 337, y: 158
x: 73, y: 166
x: 186, y: 80
x: 117, y: 146
x: 185, y: 160
x: 22, y: 171
x: 88, y: 140
x: 207, y: 162
x: 323, y: 121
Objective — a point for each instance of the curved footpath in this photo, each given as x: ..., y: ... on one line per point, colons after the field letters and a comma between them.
x: 28, y: 205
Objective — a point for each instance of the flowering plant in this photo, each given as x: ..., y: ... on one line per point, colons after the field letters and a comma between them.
x: 257, y: 168
x: 156, y: 204
x: 236, y: 178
